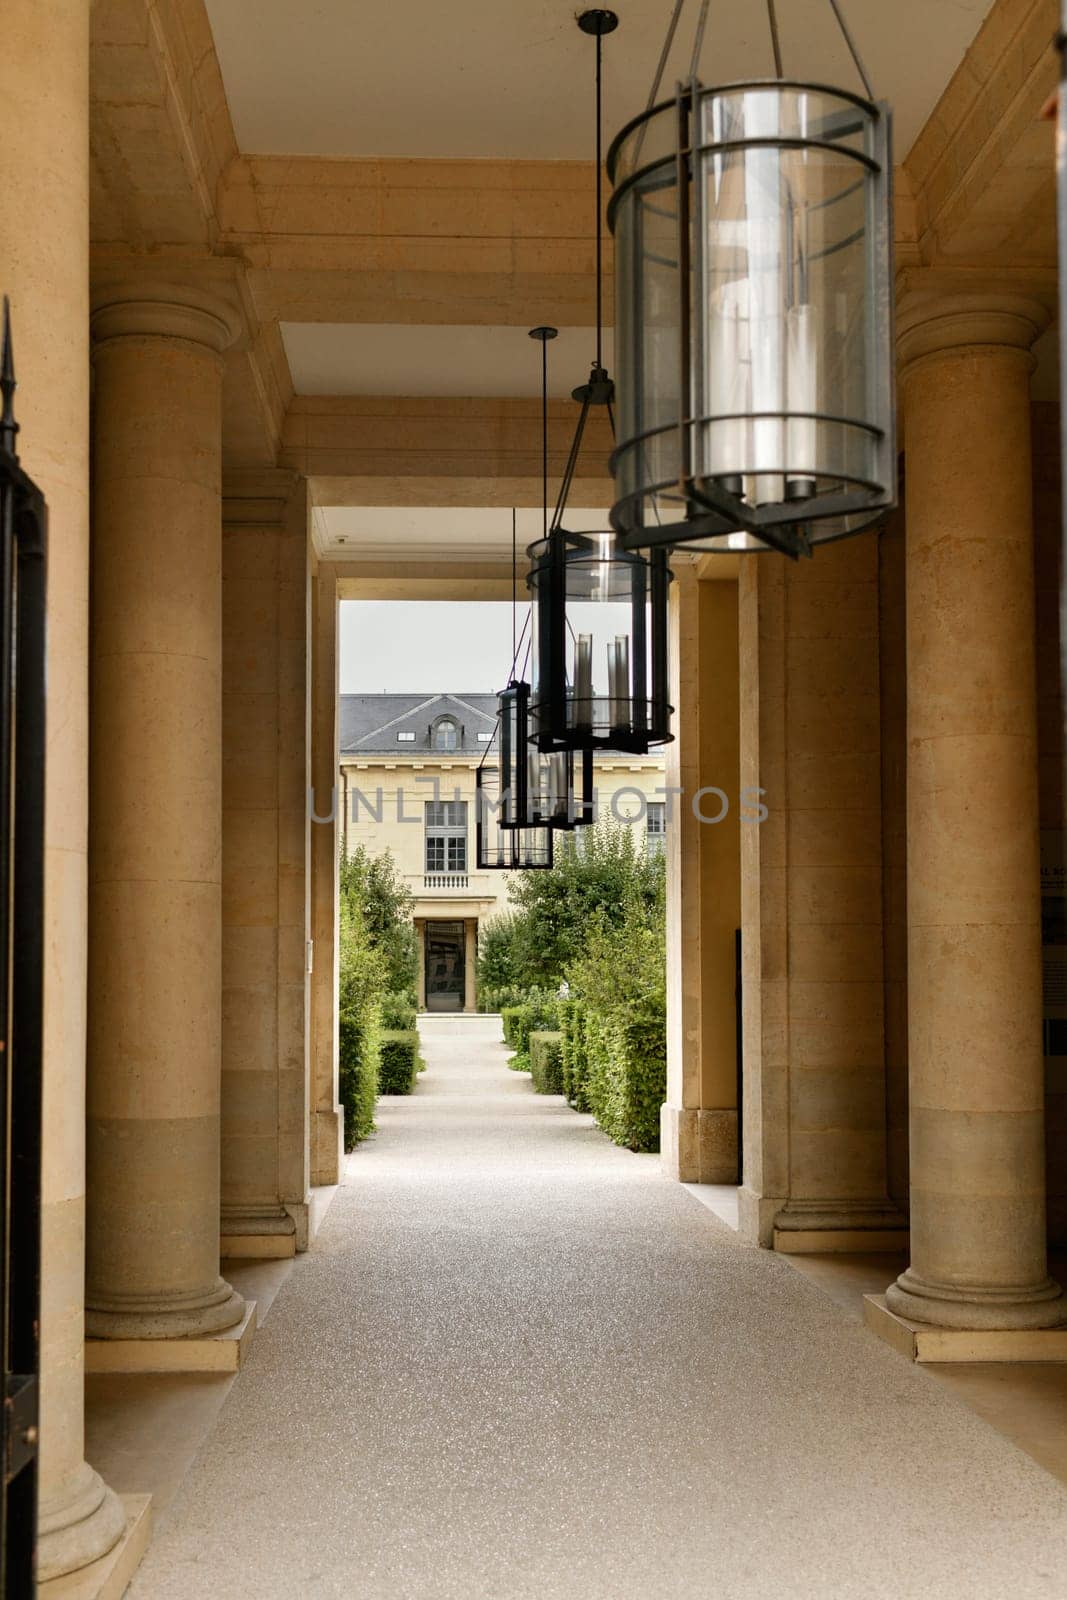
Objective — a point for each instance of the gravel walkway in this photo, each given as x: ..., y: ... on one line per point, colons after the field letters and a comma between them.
x: 520, y: 1363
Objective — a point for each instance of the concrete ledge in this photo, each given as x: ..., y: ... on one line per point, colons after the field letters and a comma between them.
x: 108, y: 1578
x: 322, y: 1197
x: 258, y: 1246
x: 222, y: 1352
x: 838, y: 1241
x: 923, y: 1342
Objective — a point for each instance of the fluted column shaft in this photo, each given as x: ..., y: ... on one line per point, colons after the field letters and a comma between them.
x: 155, y: 843
x: 974, y: 958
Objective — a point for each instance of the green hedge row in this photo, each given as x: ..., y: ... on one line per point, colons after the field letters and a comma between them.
x: 359, y: 1044
x: 537, y: 1013
x: 546, y: 1062
x: 625, y: 1073
x: 398, y: 1061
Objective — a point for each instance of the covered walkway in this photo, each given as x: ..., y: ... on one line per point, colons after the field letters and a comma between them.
x: 520, y: 1362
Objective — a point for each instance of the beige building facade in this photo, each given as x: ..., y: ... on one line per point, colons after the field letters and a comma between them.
x: 212, y: 307
x: 408, y: 787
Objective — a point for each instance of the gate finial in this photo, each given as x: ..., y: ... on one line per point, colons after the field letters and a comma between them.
x: 8, y: 426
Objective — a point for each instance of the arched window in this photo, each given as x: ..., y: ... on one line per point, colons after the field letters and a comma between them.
x: 445, y: 734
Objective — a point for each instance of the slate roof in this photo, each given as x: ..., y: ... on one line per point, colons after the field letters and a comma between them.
x: 370, y: 723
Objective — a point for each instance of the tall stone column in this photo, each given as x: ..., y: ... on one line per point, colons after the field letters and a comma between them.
x: 155, y: 846
x: 698, y: 1121
x: 470, y: 964
x: 327, y: 1127
x: 264, y: 866
x: 44, y: 269
x: 815, y: 1176
x: 974, y: 959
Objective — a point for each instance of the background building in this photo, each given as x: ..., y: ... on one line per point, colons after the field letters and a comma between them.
x: 407, y: 786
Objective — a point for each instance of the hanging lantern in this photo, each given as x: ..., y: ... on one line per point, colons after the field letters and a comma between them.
x: 537, y: 787
x: 754, y: 314
x: 599, y: 660
x: 498, y: 848
x: 598, y: 612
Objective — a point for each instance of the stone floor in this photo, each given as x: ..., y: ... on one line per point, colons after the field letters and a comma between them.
x: 519, y: 1362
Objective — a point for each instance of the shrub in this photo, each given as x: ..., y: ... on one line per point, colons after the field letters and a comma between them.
x: 359, y: 1022
x: 496, y: 962
x: 399, y: 1061
x: 573, y: 1056
x: 539, y: 1010
x: 627, y: 1074
x: 387, y: 901
x: 546, y: 1065
x: 398, y: 1011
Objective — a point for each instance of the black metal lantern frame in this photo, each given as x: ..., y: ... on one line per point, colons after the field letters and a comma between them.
x: 599, y: 621
x: 537, y: 787
x: 754, y: 315
x: 504, y: 849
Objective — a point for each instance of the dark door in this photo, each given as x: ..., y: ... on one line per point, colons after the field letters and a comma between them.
x: 444, y: 966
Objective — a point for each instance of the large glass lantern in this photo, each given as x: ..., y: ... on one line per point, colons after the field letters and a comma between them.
x: 504, y: 849
x: 754, y: 318
x: 599, y: 644
x: 537, y: 786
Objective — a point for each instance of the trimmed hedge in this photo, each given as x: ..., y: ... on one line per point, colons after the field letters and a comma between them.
x: 574, y: 1060
x: 546, y: 1062
x: 398, y: 1011
x: 537, y: 1012
x: 359, y: 1034
x: 398, y: 1061
x: 626, y: 1081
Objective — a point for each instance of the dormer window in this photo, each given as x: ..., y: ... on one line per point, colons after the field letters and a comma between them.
x: 445, y: 734
x: 405, y: 736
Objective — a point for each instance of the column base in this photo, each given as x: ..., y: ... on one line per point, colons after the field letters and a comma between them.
x: 108, y: 1577
x: 806, y: 1227
x: 165, y: 1317
x: 220, y: 1352
x: 328, y: 1146
x: 698, y: 1145
x: 755, y: 1216
x: 922, y: 1342
x: 947, y: 1306
x: 78, y: 1526
x: 264, y: 1233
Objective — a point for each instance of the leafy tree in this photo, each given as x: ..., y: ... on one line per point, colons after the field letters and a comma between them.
x: 386, y: 900
x: 600, y: 874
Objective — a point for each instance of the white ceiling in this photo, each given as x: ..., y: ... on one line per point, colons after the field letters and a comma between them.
x: 399, y: 358
x: 404, y: 532
x: 512, y: 79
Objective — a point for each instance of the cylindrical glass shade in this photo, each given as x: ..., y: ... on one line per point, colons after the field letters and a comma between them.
x: 599, y: 656
x: 504, y: 849
x: 754, y: 317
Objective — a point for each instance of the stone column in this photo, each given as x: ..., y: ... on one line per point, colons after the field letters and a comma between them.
x: 155, y: 859
x: 327, y: 1128
x: 698, y: 1122
x: 44, y: 269
x: 420, y: 935
x: 815, y: 1103
x: 974, y: 959
x: 470, y: 964
x: 264, y: 866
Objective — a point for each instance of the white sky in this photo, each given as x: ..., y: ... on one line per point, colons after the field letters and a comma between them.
x: 426, y: 646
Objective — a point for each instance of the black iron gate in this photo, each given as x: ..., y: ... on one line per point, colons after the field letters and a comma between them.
x: 22, y: 755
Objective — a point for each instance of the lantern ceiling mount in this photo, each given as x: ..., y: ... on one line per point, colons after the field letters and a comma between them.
x: 754, y: 311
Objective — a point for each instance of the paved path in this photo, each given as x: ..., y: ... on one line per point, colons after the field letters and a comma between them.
x: 519, y: 1363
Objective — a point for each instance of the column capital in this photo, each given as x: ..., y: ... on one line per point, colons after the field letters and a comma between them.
x: 938, y: 313
x: 258, y: 495
x: 164, y: 310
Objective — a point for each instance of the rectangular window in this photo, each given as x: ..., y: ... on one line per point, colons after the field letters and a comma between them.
x: 405, y: 738
x: 656, y: 827
x: 446, y: 836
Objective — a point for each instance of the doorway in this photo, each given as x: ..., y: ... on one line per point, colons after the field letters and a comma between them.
x: 445, y: 966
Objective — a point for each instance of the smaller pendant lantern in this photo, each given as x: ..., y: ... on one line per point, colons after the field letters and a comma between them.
x: 598, y: 612
x: 498, y: 848
x: 754, y: 313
